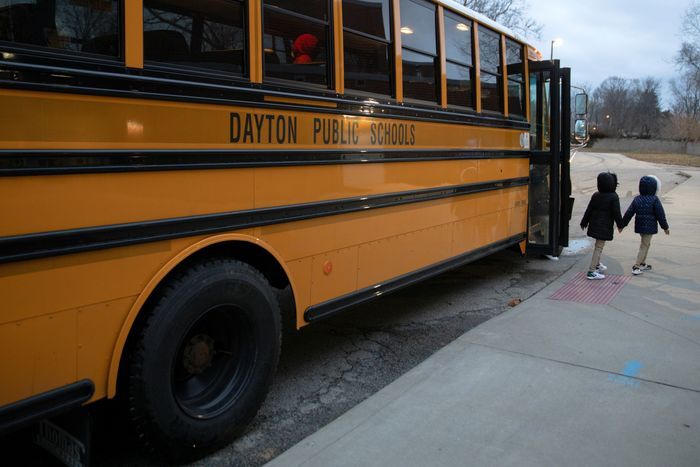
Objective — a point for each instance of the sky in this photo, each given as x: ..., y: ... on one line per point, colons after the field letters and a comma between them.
x: 602, y: 38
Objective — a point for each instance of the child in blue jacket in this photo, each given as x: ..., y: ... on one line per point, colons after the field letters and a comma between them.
x: 649, y: 214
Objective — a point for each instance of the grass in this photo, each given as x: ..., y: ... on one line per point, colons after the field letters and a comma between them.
x: 673, y: 159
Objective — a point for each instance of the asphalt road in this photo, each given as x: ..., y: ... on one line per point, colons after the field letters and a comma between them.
x: 329, y: 367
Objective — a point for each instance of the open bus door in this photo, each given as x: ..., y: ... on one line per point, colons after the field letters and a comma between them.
x: 551, y: 203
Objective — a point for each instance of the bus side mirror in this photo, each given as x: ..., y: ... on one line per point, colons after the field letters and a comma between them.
x: 581, y: 130
x: 581, y: 104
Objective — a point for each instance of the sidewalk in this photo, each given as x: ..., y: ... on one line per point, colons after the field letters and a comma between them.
x: 552, y: 382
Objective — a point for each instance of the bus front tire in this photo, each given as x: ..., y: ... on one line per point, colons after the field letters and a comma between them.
x: 203, y: 362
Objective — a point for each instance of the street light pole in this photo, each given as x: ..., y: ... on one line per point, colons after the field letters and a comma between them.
x: 555, y: 43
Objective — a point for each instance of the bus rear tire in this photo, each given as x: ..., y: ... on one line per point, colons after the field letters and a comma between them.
x: 204, y: 360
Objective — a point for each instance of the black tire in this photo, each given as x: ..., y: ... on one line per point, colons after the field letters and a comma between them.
x: 203, y: 362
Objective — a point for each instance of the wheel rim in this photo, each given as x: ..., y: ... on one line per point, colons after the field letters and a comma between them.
x: 214, y: 362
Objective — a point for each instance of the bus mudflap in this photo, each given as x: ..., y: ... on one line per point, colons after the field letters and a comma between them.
x: 66, y: 437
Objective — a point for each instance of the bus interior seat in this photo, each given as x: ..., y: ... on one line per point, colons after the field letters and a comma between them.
x: 165, y: 45
x: 231, y: 56
x: 27, y: 23
x: 271, y: 57
x: 104, y: 45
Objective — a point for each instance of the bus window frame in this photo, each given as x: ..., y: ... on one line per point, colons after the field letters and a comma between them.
x: 499, y: 77
x: 436, y: 60
x: 43, y: 55
x: 524, y: 83
x: 191, y: 73
x: 349, y: 92
x: 329, y: 87
x: 472, y: 68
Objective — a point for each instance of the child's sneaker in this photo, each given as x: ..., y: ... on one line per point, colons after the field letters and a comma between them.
x: 594, y: 275
x: 636, y: 270
x: 601, y: 267
x: 645, y: 267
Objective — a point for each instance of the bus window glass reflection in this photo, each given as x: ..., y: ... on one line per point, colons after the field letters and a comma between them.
x: 367, y: 46
x: 86, y: 27
x: 295, y: 41
x: 208, y: 35
x: 490, y: 56
x: 419, y: 54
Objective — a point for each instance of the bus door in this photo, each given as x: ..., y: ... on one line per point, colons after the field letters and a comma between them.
x: 550, y: 183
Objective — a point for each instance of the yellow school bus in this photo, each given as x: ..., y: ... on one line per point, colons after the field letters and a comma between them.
x: 168, y: 166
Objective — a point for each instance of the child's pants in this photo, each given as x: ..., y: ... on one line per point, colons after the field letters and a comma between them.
x: 643, y: 249
x: 597, y: 251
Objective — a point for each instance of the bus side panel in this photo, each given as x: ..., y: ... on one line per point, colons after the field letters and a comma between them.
x: 393, y: 241
x: 45, y: 203
x: 60, y: 348
x: 98, y: 329
x: 61, y: 316
x: 38, y: 354
x: 67, y: 121
x: 300, y: 271
x: 87, y: 200
x: 333, y: 274
x: 391, y: 257
x: 44, y: 286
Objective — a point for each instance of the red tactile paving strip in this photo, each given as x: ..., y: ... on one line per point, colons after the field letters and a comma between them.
x: 581, y: 290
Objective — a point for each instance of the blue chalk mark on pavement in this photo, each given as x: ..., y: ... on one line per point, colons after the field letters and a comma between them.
x: 632, y: 367
x: 630, y: 370
x: 692, y: 317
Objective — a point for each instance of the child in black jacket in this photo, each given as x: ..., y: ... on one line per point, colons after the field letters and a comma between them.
x: 602, y: 211
x: 649, y: 213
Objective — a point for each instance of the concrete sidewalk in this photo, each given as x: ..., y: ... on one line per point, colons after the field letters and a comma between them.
x: 552, y: 382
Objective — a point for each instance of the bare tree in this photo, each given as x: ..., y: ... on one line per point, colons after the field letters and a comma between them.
x: 612, y: 103
x: 685, y: 123
x: 686, y: 96
x: 688, y: 57
x: 646, y: 112
x: 622, y: 107
x: 84, y: 22
x: 510, y: 13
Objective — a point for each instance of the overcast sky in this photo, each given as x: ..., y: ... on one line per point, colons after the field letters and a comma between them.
x: 602, y: 38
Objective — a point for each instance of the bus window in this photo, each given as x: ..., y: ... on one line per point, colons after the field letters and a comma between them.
x: 91, y: 27
x: 201, y: 35
x: 458, y: 48
x: 516, y: 81
x: 367, y: 44
x: 490, y: 56
x: 295, y: 41
x: 419, y: 54
x: 539, y: 193
x: 539, y: 111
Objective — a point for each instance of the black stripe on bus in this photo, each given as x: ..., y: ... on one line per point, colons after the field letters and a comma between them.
x: 331, y: 307
x: 57, y: 162
x: 62, y: 242
x: 168, y: 85
x: 48, y: 404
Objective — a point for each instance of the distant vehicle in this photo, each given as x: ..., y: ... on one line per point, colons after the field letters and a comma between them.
x: 169, y: 167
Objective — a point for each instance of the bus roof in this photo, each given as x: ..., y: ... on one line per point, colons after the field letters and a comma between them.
x: 454, y: 5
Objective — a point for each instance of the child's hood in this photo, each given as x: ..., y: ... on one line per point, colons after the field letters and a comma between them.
x: 607, y: 182
x: 648, y: 185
